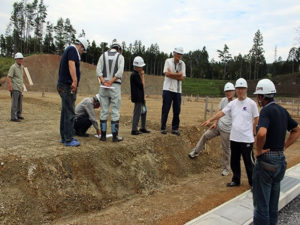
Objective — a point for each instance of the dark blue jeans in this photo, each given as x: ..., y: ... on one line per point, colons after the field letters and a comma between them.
x: 67, y: 115
x: 169, y: 98
x: 268, y: 171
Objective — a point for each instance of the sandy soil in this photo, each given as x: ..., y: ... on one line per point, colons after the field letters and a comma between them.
x: 144, y: 180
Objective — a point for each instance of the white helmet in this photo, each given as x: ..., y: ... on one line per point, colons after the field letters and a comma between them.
x: 265, y: 87
x: 19, y: 55
x: 241, y: 82
x: 115, y: 43
x: 178, y: 50
x: 83, y: 42
x: 97, y: 97
x: 229, y: 87
x: 138, y: 62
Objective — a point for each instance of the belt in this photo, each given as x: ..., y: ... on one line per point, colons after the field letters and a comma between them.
x: 274, y: 153
x: 117, y: 82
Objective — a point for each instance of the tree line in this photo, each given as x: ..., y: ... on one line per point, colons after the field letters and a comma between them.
x: 29, y: 32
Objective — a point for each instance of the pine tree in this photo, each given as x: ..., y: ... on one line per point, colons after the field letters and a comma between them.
x: 256, y: 54
x: 225, y: 57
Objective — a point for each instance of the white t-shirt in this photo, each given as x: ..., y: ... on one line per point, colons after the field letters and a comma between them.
x: 242, y: 114
x: 172, y: 84
x: 224, y: 122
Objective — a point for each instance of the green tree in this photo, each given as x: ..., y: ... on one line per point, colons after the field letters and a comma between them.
x: 225, y: 57
x: 59, y: 36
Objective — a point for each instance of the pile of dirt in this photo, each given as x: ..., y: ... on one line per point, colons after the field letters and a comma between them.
x: 44, y: 72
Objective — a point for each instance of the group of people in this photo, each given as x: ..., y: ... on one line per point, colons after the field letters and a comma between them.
x: 238, y: 121
x: 110, y: 68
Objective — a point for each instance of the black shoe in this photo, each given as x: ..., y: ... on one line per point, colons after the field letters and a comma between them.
x: 117, y: 139
x: 164, y: 131
x: 176, y: 132
x: 145, y: 131
x: 20, y: 117
x: 135, y: 132
x: 15, y: 120
x: 233, y: 184
x: 103, y: 136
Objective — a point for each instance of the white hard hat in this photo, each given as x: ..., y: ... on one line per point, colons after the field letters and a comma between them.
x: 138, y: 62
x: 19, y: 55
x: 241, y: 82
x: 265, y: 87
x: 178, y: 50
x: 115, y: 43
x: 83, y: 42
x: 229, y: 87
x: 97, y: 97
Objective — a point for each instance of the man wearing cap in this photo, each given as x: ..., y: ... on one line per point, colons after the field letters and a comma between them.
x: 274, y: 122
x: 68, y: 81
x: 85, y: 116
x: 110, y: 69
x: 221, y: 127
x: 137, y: 86
x: 174, y: 71
x: 244, y: 114
x: 15, y: 86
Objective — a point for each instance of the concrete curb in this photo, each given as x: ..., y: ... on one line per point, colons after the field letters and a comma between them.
x: 239, y: 210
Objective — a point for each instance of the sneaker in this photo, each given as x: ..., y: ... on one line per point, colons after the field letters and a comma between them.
x: 193, y: 154
x: 176, y: 132
x: 73, y: 143
x: 145, y: 131
x: 136, y: 132
x: 225, y: 172
x: 63, y: 140
x: 163, y: 131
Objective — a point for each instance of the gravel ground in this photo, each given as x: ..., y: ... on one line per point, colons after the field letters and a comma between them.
x: 290, y: 214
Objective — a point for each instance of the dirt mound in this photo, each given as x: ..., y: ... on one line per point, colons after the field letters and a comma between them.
x: 44, y: 72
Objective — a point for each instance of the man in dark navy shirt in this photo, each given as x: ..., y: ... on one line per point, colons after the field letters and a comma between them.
x: 68, y: 80
x: 270, y: 166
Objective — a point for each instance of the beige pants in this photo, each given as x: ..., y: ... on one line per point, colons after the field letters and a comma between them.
x: 209, y: 134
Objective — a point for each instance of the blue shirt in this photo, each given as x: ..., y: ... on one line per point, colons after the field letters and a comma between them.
x: 64, y: 76
x: 277, y: 120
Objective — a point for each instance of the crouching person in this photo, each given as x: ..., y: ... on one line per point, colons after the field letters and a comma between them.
x: 85, y: 116
x: 137, y: 85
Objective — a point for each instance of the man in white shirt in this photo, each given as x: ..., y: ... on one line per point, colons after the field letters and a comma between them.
x: 174, y: 71
x: 110, y: 69
x: 244, y: 113
x: 221, y: 127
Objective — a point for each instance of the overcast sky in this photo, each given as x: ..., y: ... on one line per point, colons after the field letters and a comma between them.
x: 188, y: 23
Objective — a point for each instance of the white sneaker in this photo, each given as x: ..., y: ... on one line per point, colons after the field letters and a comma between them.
x: 225, y: 172
x: 193, y: 154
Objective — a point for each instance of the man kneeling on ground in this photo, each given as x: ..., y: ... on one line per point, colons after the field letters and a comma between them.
x: 85, y: 116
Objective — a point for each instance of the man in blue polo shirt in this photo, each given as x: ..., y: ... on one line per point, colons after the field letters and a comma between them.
x: 270, y: 165
x: 68, y: 80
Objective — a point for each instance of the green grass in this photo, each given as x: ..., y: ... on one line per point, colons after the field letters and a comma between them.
x: 202, y: 87
x: 5, y: 63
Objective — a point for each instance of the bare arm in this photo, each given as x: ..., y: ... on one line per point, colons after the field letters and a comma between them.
x: 215, y: 117
x: 260, y: 141
x: 174, y: 76
x: 294, y: 135
x: 8, y: 80
x: 72, y: 70
x: 255, y: 122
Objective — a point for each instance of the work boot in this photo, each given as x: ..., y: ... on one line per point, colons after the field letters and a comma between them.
x: 115, y: 131
x: 103, y: 126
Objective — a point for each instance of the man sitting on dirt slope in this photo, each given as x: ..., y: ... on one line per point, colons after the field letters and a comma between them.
x: 110, y: 70
x: 85, y: 116
x: 221, y: 127
x: 68, y: 81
